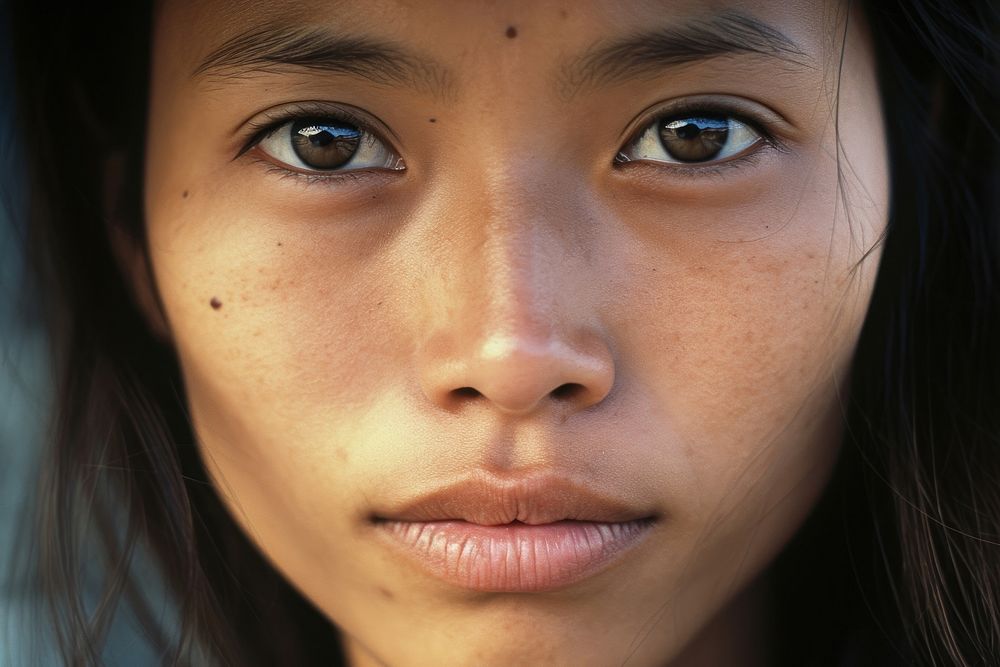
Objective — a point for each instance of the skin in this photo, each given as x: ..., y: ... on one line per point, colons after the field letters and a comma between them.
x: 709, y: 316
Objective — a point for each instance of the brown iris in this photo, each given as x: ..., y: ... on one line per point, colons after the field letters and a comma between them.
x: 324, y: 143
x: 694, y: 139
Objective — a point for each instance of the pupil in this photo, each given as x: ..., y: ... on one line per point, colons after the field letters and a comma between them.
x: 321, y: 138
x: 694, y: 139
x: 689, y: 131
x: 324, y: 143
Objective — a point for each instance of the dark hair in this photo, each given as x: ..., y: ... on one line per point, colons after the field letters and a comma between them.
x: 907, y: 536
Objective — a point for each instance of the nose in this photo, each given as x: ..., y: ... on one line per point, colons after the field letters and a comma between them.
x: 513, y: 323
x: 517, y: 373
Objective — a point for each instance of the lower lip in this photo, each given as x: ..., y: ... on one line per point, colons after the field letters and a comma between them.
x: 515, y: 557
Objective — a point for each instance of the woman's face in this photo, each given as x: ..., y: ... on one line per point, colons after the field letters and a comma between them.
x: 515, y: 333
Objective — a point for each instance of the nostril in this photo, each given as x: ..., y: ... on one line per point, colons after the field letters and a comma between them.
x: 568, y: 390
x: 466, y: 392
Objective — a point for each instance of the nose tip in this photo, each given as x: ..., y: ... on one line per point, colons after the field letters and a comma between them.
x: 519, y: 377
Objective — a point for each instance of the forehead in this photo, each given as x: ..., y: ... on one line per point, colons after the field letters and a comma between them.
x: 445, y: 43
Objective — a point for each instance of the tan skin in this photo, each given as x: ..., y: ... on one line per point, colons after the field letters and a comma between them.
x: 705, y: 315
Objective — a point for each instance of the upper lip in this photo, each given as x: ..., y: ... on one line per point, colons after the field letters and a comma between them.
x: 490, y: 501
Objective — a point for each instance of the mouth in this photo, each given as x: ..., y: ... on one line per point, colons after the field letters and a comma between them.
x: 521, y: 536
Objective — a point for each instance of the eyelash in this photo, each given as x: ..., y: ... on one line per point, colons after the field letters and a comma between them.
x: 273, y: 121
x: 308, y: 178
x: 748, y: 158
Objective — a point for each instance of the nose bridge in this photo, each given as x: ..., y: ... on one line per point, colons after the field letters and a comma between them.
x: 516, y: 290
x: 516, y: 260
x: 516, y: 330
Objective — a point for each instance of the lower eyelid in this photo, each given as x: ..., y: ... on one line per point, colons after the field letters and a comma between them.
x: 319, y: 179
x: 658, y: 170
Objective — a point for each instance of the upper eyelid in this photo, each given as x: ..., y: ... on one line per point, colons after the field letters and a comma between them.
x: 267, y: 122
x: 768, y: 141
x: 768, y: 138
x: 766, y: 121
x: 752, y: 123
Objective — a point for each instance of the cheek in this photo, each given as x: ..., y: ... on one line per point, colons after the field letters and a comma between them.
x: 741, y: 345
x: 285, y: 377
x: 285, y: 342
x: 744, y: 346
x: 745, y: 343
x: 264, y: 313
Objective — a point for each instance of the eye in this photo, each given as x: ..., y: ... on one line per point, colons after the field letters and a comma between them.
x: 691, y: 138
x: 327, y: 145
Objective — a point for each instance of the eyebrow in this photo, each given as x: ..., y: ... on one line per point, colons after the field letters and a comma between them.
x: 726, y: 33
x: 274, y: 49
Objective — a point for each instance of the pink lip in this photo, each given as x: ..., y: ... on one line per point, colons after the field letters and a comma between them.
x: 515, y: 557
x: 527, y: 535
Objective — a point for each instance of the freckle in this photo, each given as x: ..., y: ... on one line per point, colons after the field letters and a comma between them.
x: 432, y: 120
x: 386, y: 593
x: 511, y: 32
x: 563, y: 13
x: 279, y: 244
x: 215, y: 303
x: 184, y: 195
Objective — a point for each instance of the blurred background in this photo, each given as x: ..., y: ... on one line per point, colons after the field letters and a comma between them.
x: 23, y: 382
x: 24, y: 405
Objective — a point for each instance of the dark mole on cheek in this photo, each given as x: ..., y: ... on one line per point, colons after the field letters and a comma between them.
x: 184, y: 195
x: 215, y: 303
x: 511, y: 32
x: 432, y: 120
